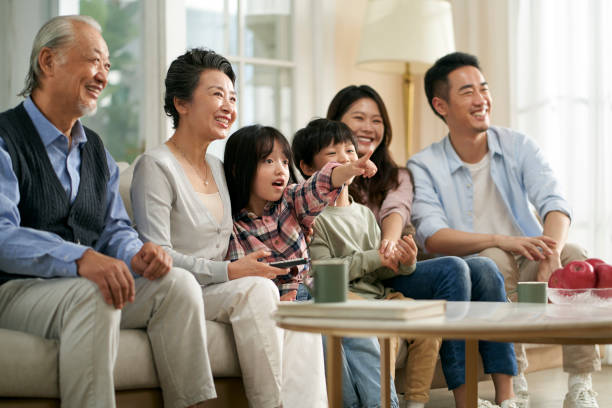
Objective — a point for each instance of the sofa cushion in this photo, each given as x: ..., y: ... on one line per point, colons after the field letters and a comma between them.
x: 31, y: 361
x: 29, y: 365
x: 126, y: 172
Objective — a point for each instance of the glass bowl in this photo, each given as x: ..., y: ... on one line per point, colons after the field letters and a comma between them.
x: 594, y: 296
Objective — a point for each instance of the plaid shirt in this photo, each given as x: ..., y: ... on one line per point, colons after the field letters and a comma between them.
x: 280, y: 229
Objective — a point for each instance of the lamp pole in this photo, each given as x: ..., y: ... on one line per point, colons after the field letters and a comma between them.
x: 408, y: 85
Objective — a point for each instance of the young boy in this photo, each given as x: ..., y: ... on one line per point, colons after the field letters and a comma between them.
x: 349, y: 230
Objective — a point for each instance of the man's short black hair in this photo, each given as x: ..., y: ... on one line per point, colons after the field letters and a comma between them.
x: 316, y: 136
x: 436, y: 77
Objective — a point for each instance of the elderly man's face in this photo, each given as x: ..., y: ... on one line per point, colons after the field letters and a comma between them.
x: 82, y: 71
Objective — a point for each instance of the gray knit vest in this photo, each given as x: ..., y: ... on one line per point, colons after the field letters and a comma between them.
x: 44, y: 204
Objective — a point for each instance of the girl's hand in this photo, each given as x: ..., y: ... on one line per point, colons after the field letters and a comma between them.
x: 360, y: 167
x: 250, y: 266
x: 368, y: 166
x: 289, y: 296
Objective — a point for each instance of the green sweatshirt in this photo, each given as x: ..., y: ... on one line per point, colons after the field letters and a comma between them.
x: 351, y: 233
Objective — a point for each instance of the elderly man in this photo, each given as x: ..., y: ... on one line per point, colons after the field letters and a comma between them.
x: 71, y: 266
x: 473, y: 192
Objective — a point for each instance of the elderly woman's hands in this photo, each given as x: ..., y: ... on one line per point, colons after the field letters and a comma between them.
x: 250, y: 265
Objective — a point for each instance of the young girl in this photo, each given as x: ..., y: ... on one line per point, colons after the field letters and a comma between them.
x: 271, y: 214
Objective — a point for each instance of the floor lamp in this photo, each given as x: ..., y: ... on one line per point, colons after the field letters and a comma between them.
x: 405, y: 37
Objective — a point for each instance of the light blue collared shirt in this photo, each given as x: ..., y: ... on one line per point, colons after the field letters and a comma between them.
x: 444, y: 193
x: 27, y: 251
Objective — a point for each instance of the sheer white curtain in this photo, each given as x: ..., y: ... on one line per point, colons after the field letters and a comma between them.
x: 562, y: 79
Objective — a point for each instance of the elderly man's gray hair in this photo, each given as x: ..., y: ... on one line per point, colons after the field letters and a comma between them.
x: 55, y: 34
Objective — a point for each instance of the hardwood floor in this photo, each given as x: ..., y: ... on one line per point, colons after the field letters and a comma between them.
x: 547, y: 389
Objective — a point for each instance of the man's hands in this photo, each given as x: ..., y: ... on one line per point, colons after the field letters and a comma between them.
x: 151, y: 262
x: 542, y: 249
x: 532, y: 248
x: 548, y: 266
x: 360, y: 167
x: 394, y: 253
x: 250, y: 266
x: 111, y: 275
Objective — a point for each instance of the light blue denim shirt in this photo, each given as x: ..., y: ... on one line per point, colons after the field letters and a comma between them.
x: 31, y: 252
x: 444, y: 194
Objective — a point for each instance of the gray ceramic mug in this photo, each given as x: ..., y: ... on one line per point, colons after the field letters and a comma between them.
x: 330, y: 280
x: 532, y: 292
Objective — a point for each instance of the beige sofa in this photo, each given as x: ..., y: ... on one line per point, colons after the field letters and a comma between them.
x: 29, y: 364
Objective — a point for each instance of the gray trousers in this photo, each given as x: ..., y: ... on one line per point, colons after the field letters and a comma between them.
x: 517, y: 268
x: 73, y: 311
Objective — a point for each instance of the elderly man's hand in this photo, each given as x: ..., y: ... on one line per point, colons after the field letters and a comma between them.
x: 111, y: 275
x: 151, y: 262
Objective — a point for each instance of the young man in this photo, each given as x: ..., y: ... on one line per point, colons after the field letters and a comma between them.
x: 349, y: 230
x: 473, y: 192
x: 71, y: 266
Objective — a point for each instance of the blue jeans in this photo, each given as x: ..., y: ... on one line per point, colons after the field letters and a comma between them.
x: 454, y: 278
x: 360, y: 368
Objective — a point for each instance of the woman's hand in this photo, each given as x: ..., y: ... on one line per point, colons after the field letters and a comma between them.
x: 251, y: 266
x: 406, y: 250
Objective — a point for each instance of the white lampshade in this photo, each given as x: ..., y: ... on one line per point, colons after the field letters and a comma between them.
x: 399, y: 31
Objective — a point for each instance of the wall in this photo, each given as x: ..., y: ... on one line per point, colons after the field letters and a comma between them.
x: 16, y: 43
x: 480, y: 27
x: 349, y: 17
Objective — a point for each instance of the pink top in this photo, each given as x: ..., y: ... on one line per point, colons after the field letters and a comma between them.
x: 397, y: 201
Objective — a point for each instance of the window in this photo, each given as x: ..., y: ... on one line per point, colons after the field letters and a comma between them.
x: 268, y: 45
x: 564, y: 101
x: 256, y: 36
x: 118, y: 117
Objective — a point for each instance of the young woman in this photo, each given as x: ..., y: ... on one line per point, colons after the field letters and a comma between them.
x: 180, y: 202
x: 389, y: 195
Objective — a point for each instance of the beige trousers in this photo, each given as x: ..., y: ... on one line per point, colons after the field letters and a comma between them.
x: 420, y: 361
x: 278, y: 366
x: 517, y: 268
x: 73, y: 311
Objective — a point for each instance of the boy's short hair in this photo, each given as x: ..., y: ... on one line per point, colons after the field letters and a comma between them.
x: 317, y: 135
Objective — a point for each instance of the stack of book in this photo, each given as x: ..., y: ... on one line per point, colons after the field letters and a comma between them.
x: 365, y: 309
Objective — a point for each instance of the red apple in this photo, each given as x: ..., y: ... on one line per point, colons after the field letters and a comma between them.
x: 594, y: 261
x: 557, y: 279
x: 604, y: 275
x: 579, y: 275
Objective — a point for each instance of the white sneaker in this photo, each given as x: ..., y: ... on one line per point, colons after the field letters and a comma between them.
x: 513, y: 403
x: 486, y: 404
x: 519, y: 385
x: 580, y: 397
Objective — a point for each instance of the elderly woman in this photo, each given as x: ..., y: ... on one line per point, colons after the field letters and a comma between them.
x: 389, y: 195
x: 181, y: 202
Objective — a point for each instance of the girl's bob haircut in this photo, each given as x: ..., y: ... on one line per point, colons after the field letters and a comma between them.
x: 244, y: 149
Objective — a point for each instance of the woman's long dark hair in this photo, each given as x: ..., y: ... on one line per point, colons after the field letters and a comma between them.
x: 244, y: 149
x: 375, y: 189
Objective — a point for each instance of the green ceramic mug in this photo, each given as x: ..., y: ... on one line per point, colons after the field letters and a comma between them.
x: 532, y: 292
x: 330, y: 280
